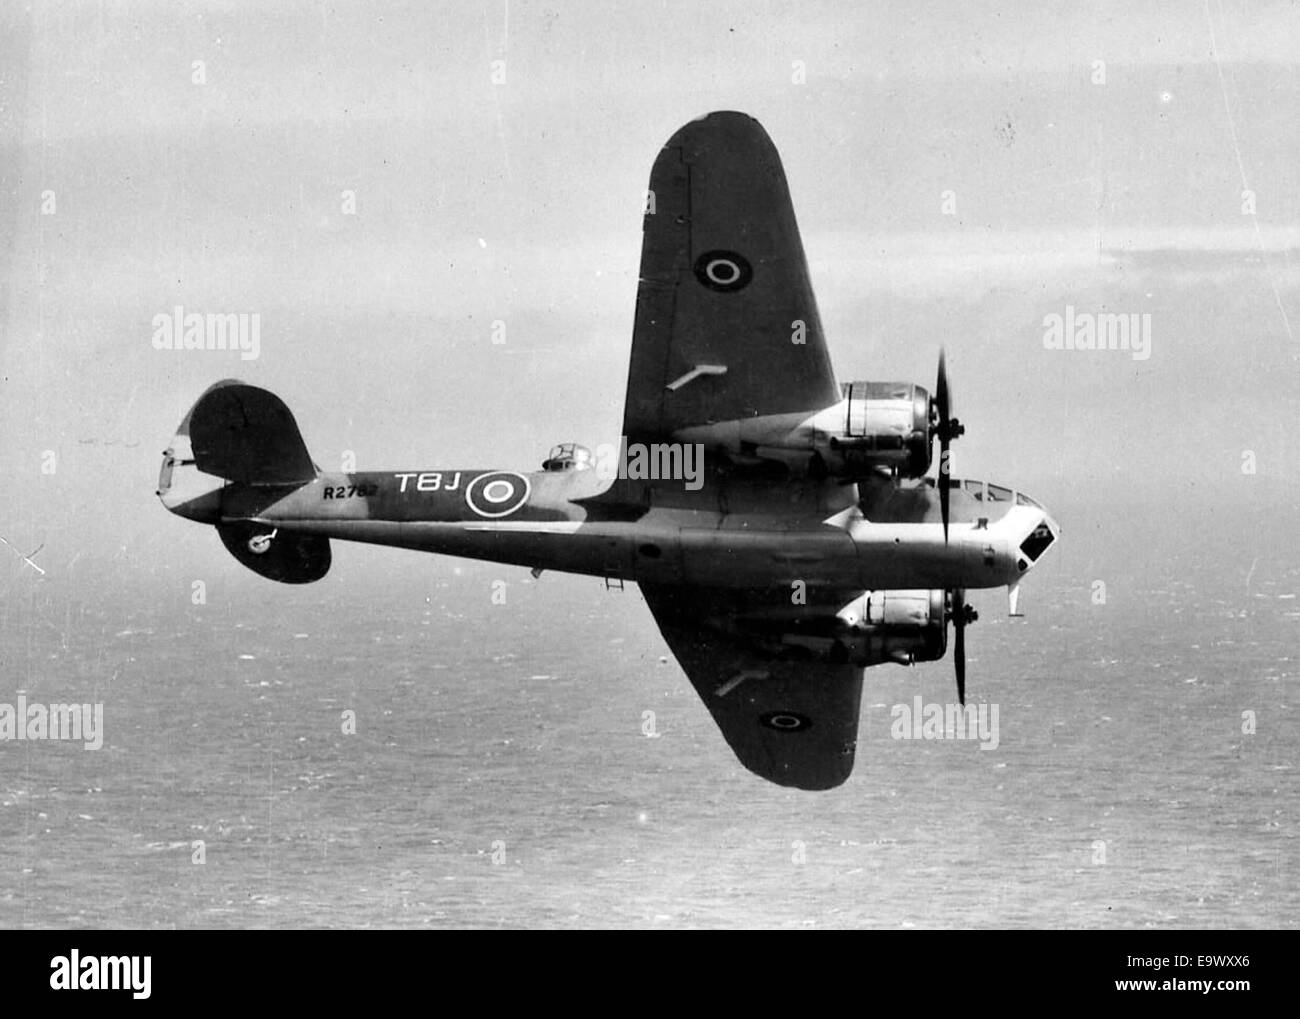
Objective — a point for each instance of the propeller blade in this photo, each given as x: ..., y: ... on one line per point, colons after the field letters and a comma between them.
x: 944, y: 490
x: 962, y: 615
x: 959, y: 644
x: 941, y: 385
x: 959, y: 659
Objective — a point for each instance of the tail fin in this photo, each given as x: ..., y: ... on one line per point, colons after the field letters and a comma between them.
x: 245, y: 435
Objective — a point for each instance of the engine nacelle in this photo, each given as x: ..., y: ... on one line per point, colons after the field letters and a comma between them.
x: 895, y: 626
x: 878, y: 425
x: 878, y: 626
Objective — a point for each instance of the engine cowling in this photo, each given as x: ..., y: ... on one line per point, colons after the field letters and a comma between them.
x: 879, y: 425
x: 894, y: 626
x: 902, y: 626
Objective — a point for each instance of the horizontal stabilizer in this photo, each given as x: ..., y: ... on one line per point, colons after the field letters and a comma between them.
x: 287, y: 558
x: 248, y: 435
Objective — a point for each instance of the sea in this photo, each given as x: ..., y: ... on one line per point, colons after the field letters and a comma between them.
x: 417, y: 741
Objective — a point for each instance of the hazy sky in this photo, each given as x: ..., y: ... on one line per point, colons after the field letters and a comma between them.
x: 1096, y: 157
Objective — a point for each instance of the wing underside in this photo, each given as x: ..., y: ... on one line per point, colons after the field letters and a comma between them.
x: 727, y: 329
x: 794, y: 721
x: 726, y: 322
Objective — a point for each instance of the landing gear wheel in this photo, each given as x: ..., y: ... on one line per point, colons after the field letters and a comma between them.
x: 260, y: 544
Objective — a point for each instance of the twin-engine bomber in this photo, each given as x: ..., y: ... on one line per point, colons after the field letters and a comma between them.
x: 812, y: 545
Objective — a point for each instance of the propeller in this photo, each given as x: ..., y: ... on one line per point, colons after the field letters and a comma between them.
x: 961, y: 615
x: 947, y: 428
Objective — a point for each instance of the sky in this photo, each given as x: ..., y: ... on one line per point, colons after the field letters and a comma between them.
x: 959, y: 175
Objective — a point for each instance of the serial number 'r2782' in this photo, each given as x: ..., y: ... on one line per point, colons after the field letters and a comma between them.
x: 348, y: 491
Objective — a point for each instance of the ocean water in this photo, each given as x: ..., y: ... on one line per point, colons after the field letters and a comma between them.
x: 500, y: 775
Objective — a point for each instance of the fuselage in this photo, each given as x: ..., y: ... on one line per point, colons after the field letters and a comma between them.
x: 578, y: 522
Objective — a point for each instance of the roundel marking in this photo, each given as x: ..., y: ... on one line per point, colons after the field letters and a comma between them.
x: 498, y: 491
x: 785, y: 721
x: 724, y: 271
x: 497, y: 494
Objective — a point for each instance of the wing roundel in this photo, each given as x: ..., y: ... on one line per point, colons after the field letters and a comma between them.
x: 726, y: 322
x: 792, y: 721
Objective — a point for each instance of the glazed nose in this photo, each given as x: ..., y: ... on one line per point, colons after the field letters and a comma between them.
x: 1038, y: 540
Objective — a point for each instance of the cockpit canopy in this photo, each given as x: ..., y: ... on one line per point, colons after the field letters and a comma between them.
x: 987, y: 492
x: 568, y: 456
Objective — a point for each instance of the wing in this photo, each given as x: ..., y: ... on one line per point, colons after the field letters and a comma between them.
x: 794, y: 722
x: 726, y: 323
